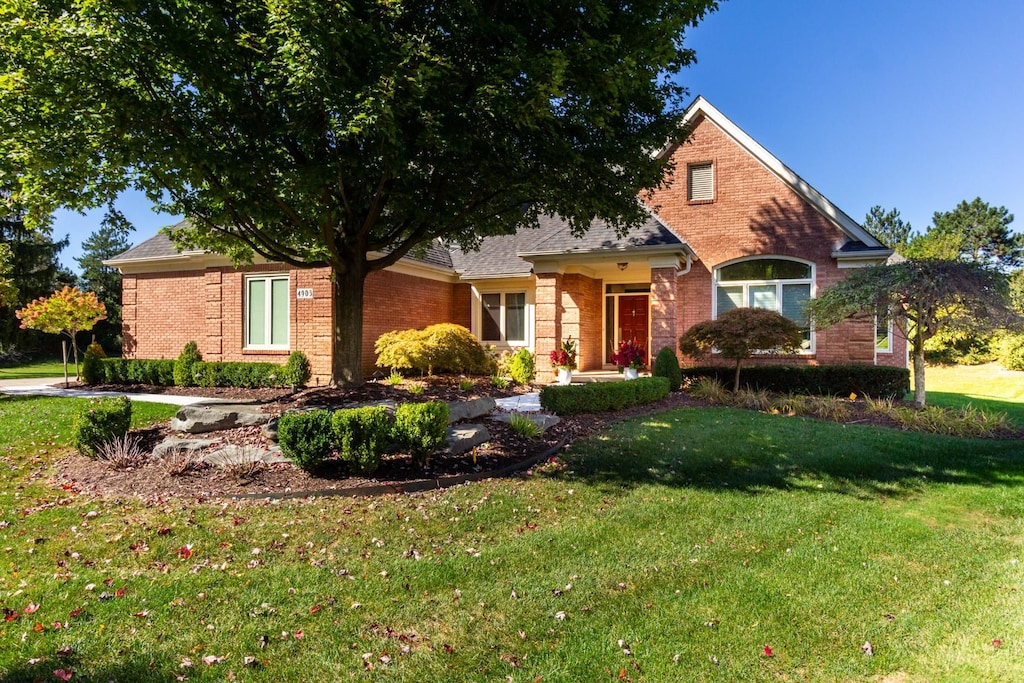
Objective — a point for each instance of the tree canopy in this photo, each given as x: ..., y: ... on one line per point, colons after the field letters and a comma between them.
x: 343, y: 134
x: 922, y: 297
x: 739, y: 333
x: 68, y: 312
x: 888, y: 228
x: 107, y: 241
x: 975, y: 232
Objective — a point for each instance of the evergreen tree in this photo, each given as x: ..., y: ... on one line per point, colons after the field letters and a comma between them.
x: 888, y: 228
x: 109, y: 240
x: 973, y: 232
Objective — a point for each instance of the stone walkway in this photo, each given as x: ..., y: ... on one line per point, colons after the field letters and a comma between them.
x: 52, y: 386
x: 524, y: 403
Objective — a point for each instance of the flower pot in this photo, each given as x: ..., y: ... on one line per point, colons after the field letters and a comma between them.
x: 630, y: 373
x: 564, y: 376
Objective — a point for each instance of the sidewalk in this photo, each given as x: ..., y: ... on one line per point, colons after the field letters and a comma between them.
x: 54, y: 386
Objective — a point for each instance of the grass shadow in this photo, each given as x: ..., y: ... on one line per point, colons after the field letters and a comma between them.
x: 737, y: 450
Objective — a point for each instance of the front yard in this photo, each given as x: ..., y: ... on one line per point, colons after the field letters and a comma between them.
x: 695, y: 544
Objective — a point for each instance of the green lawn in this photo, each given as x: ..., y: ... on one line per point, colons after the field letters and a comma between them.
x: 42, y: 368
x: 989, y: 386
x: 671, y: 548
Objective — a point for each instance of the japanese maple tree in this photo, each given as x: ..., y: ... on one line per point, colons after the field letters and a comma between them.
x: 68, y: 312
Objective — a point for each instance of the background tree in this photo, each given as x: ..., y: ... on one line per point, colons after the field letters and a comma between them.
x: 68, y: 312
x: 888, y: 228
x: 33, y: 268
x: 1016, y: 281
x: 922, y: 297
x: 739, y: 333
x: 8, y: 288
x: 974, y: 232
x: 344, y: 134
x: 109, y: 240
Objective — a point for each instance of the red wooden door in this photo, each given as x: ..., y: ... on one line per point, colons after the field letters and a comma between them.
x: 633, y: 319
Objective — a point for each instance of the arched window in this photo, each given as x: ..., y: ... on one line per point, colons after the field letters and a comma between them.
x: 777, y: 284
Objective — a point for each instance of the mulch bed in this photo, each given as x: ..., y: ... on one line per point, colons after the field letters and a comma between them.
x: 505, y: 449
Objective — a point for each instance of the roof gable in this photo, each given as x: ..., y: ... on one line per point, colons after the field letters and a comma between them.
x: 701, y: 108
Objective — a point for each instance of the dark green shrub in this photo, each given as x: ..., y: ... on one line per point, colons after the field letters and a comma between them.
x: 667, y: 365
x: 522, y: 367
x: 92, y: 369
x: 438, y: 348
x: 597, y: 397
x: 297, y: 370
x: 306, y: 438
x: 362, y: 436
x: 183, y: 368
x: 422, y: 428
x: 137, y: 371
x: 877, y: 381
x: 242, y: 375
x: 100, y: 421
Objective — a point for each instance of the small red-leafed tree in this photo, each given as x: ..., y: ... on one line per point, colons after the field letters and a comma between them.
x: 739, y: 333
x: 68, y: 311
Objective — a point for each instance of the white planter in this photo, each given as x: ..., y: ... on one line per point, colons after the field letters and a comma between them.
x: 564, y: 376
x: 630, y: 373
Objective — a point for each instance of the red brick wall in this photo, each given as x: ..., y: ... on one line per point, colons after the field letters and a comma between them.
x: 582, y: 310
x: 162, y: 312
x: 753, y: 213
x: 665, y: 307
x: 547, y: 320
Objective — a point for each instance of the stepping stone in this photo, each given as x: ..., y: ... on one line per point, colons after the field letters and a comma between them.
x: 470, y: 410
x: 172, y: 445
x: 236, y: 455
x: 542, y: 420
x: 199, y: 418
x: 466, y: 437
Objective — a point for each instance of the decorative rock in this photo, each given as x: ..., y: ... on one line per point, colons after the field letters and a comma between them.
x: 237, y: 455
x: 172, y: 445
x: 466, y: 437
x: 542, y: 420
x: 270, y: 430
x: 469, y: 410
x: 199, y: 418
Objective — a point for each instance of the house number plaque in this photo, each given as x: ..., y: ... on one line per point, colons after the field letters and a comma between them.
x: 304, y: 293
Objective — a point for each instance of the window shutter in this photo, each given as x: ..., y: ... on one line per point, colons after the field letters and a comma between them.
x: 701, y: 182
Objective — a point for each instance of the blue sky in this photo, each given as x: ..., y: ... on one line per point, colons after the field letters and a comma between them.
x: 911, y: 104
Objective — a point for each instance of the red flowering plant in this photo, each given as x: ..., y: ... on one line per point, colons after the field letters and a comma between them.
x: 565, y: 355
x: 630, y: 355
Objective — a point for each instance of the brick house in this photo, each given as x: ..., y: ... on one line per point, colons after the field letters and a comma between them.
x: 734, y: 227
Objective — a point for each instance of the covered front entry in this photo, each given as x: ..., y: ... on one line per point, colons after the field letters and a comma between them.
x: 627, y: 317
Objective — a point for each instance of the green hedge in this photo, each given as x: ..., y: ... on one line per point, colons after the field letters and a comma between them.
x: 306, y: 438
x: 161, y: 373
x: 814, y: 380
x: 598, y: 397
x: 100, y: 421
x: 422, y: 428
x: 667, y: 365
x: 362, y: 436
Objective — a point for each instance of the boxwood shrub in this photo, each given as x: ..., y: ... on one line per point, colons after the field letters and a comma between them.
x: 137, y: 371
x: 876, y: 381
x: 294, y: 373
x: 597, y: 397
x: 362, y: 436
x: 422, y: 429
x: 100, y: 421
x: 666, y: 365
x: 306, y: 438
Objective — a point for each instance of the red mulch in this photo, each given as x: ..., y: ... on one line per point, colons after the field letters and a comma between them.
x: 153, y: 482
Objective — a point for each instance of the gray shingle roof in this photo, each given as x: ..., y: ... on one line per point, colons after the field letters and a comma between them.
x: 558, y: 239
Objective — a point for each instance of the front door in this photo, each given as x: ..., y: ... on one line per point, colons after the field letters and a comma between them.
x: 632, y: 322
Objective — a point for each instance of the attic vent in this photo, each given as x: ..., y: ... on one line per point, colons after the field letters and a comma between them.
x: 701, y: 182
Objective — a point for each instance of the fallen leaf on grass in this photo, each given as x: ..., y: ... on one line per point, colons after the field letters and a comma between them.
x: 768, y: 651
x: 996, y: 643
x: 32, y: 607
x: 63, y: 674
x: 867, y: 649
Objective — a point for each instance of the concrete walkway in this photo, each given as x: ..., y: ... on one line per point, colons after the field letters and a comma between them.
x: 523, y: 403
x: 54, y: 386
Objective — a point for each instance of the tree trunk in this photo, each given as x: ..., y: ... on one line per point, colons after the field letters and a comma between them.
x: 736, y: 378
x: 347, y: 356
x: 919, y: 397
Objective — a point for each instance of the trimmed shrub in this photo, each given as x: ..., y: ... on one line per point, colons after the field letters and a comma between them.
x: 136, y: 371
x: 422, y: 428
x: 815, y: 380
x: 435, y: 349
x: 92, y: 369
x: 596, y: 397
x: 100, y: 421
x: 522, y: 367
x: 362, y: 435
x: 1011, y: 352
x: 184, y: 374
x: 306, y: 438
x: 667, y: 365
x: 297, y: 370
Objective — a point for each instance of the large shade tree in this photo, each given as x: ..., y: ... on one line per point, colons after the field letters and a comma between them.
x: 343, y: 134
x: 922, y: 297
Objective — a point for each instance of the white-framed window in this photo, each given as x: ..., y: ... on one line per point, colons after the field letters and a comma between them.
x: 783, y: 285
x: 700, y: 182
x: 503, y: 317
x: 883, y: 334
x: 266, y: 312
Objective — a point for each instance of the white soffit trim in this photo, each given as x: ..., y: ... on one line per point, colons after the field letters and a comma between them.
x: 771, y: 162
